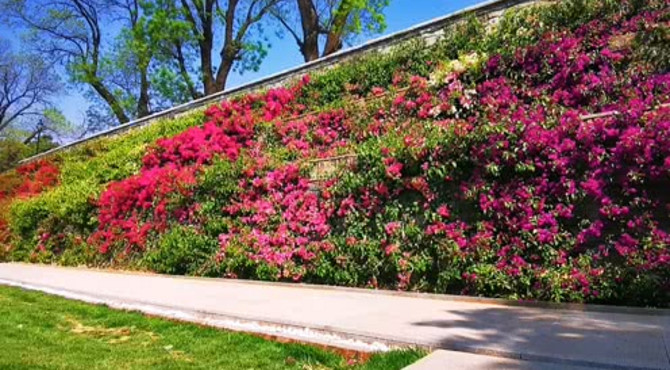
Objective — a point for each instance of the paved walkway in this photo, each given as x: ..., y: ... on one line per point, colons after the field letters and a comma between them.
x: 452, y: 360
x: 368, y: 320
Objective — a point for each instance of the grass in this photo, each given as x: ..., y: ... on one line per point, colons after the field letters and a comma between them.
x: 40, y: 331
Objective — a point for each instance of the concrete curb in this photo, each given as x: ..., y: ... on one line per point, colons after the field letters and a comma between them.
x: 445, y: 359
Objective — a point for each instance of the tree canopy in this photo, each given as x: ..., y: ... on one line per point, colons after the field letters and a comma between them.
x: 26, y: 85
x: 332, y: 22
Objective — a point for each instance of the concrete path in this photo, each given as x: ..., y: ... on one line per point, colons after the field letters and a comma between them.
x: 452, y: 360
x: 359, y: 319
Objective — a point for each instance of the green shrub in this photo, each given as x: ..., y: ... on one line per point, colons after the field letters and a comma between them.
x: 85, y: 171
x: 182, y: 250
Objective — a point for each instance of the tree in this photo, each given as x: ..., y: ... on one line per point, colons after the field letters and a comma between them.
x: 230, y: 28
x: 50, y: 123
x: 31, y: 135
x: 70, y: 32
x: 332, y: 21
x: 134, y: 54
x: 26, y: 84
x: 28, y: 122
x: 174, y: 75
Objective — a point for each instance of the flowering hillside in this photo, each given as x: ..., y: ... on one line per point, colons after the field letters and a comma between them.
x: 528, y: 159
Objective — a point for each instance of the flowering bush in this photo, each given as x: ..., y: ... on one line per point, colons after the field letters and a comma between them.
x: 35, y: 178
x: 26, y: 181
x: 317, y: 135
x: 133, y: 208
x: 281, y: 225
x: 519, y: 196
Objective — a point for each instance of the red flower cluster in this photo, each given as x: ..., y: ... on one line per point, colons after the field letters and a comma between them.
x: 26, y: 181
x: 36, y: 177
x: 131, y: 209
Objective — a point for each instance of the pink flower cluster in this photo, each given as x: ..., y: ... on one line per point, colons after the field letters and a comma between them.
x: 317, y: 135
x: 230, y: 128
x: 282, y: 222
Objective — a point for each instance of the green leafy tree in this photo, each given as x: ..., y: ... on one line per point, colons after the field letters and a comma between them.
x: 174, y: 73
x: 81, y: 35
x: 310, y: 22
x: 222, y: 36
x: 131, y: 58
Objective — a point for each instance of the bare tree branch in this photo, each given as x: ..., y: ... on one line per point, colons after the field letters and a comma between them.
x: 26, y: 85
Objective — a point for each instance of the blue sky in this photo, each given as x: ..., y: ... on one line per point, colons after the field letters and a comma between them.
x: 401, y: 14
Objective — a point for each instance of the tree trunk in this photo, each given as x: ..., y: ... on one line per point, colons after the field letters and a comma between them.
x: 143, y: 102
x: 111, y: 100
x: 224, y: 70
x: 205, y: 43
x: 310, y: 30
x: 206, y: 67
x: 184, y: 72
x: 334, y: 39
x: 3, y: 124
x: 333, y: 43
x: 32, y: 136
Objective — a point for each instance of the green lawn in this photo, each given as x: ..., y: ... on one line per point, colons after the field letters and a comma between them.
x: 39, y: 331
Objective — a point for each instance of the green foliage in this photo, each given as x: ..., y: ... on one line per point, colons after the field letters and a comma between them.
x: 182, y: 250
x: 187, y: 250
x: 170, y: 85
x: 376, y: 69
x: 517, y: 28
x: 430, y: 263
x: 114, y: 158
x: 56, y: 121
x: 335, y: 22
x: 362, y: 16
x: 13, y: 149
x: 652, y: 45
x: 85, y: 171
x: 465, y: 36
x: 217, y: 185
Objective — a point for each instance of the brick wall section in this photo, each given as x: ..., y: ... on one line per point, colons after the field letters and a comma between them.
x: 430, y: 31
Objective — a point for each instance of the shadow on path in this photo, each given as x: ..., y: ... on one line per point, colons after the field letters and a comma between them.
x: 614, y: 340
